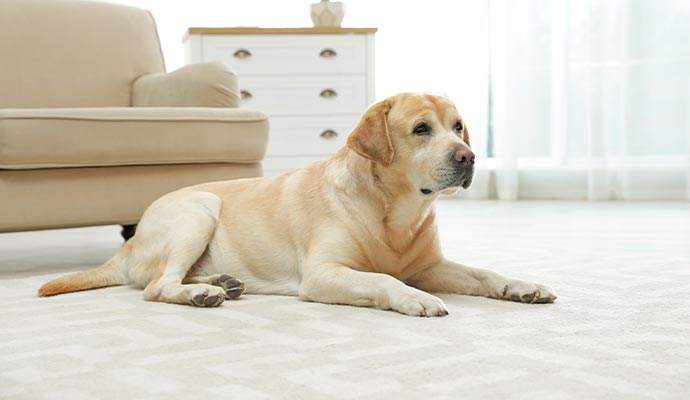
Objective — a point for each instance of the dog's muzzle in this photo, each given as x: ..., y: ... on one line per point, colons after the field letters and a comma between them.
x: 459, y: 172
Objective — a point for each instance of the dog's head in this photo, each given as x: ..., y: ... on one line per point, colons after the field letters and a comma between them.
x: 420, y: 137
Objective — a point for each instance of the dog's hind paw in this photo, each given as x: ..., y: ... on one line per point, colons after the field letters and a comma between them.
x: 208, y: 299
x: 233, y: 287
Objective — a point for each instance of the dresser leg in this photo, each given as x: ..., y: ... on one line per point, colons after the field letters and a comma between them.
x: 128, y: 231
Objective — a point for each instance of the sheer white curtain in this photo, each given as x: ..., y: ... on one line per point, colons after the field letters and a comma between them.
x: 591, y: 99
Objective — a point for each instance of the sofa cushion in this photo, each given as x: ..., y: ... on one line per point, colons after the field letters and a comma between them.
x: 74, y: 53
x: 78, y: 137
x: 67, y: 197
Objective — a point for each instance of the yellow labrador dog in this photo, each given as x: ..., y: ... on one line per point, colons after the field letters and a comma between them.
x: 356, y: 229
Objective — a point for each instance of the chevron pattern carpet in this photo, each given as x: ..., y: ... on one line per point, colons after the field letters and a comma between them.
x: 620, y: 329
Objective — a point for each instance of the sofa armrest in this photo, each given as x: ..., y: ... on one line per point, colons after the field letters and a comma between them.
x: 196, y: 85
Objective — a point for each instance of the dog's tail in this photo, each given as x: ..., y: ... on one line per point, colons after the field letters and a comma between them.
x: 112, y: 273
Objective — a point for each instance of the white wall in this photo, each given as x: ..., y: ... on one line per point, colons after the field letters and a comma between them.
x: 438, y: 45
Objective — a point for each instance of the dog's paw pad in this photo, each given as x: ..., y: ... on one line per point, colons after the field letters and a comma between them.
x: 549, y: 297
x: 207, y: 300
x: 233, y: 287
x: 528, y: 297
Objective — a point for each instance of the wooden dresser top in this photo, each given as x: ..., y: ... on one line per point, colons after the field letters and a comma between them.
x: 270, y: 31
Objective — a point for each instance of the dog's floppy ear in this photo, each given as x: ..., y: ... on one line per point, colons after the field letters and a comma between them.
x: 371, y: 138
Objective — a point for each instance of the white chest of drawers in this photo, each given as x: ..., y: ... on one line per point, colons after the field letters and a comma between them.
x: 314, y: 83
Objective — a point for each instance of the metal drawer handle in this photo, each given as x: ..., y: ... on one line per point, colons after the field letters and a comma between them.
x: 328, y: 93
x: 327, y: 53
x: 245, y: 95
x: 329, y: 133
x: 242, y: 53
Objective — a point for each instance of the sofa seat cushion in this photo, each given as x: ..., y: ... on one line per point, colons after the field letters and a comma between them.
x: 79, y: 137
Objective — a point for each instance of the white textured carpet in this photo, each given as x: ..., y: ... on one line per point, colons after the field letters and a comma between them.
x: 620, y: 329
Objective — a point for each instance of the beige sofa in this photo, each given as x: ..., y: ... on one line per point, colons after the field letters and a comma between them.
x: 92, y: 129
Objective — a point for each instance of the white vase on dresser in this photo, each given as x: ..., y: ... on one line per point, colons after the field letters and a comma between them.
x: 314, y: 83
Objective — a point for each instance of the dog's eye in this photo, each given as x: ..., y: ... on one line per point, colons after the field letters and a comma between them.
x: 422, y: 129
x: 458, y: 127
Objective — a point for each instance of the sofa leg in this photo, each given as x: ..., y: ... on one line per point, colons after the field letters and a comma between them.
x: 128, y: 231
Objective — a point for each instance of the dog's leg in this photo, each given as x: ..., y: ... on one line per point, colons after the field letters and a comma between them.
x: 338, y: 284
x: 183, y: 227
x: 450, y: 277
x: 233, y: 287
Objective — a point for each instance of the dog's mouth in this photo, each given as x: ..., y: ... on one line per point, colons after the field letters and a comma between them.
x: 463, y: 180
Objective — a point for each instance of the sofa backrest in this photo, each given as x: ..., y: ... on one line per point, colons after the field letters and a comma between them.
x: 68, y: 53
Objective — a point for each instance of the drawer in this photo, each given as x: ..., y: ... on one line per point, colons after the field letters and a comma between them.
x: 306, y: 136
x: 287, y: 54
x: 299, y: 95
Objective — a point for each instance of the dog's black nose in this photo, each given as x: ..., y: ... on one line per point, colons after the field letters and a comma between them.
x: 464, y: 156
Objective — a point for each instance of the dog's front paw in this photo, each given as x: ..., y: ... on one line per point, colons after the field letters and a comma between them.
x: 528, y: 292
x: 418, y: 304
